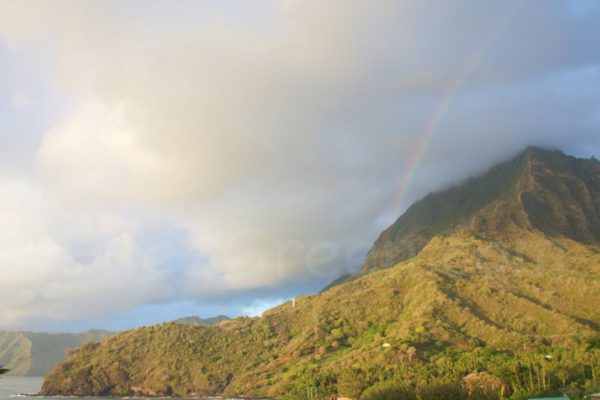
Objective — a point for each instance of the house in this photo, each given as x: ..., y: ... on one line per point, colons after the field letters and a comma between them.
x: 594, y: 396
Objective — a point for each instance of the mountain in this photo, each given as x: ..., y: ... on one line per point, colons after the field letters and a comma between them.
x: 35, y: 354
x: 541, y: 190
x: 491, y: 286
x: 194, y: 320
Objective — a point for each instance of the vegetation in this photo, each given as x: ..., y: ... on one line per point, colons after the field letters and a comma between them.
x: 492, y: 308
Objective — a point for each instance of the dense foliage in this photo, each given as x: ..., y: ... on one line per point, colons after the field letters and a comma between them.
x: 545, y: 370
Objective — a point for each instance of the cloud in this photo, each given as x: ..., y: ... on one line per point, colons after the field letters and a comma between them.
x: 96, y: 155
x: 20, y: 100
x: 272, y: 137
x: 62, y: 264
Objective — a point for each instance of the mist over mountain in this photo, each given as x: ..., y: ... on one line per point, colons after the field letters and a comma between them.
x: 484, y: 282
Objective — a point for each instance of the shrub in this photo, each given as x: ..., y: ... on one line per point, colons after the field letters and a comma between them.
x: 337, y: 333
x: 351, y: 383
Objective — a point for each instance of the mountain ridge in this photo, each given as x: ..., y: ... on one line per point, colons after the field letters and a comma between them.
x: 495, y: 202
x: 195, y: 320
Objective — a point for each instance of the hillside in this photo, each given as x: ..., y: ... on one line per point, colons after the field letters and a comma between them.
x: 35, y: 354
x: 502, y: 290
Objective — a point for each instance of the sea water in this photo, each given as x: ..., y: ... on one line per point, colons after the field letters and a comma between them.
x: 22, y: 388
x: 13, y: 386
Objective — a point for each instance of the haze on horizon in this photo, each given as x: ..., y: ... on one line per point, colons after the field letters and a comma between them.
x: 163, y: 159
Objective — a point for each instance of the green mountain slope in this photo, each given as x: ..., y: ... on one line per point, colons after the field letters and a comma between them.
x: 35, y: 354
x: 540, y: 189
x: 497, y: 296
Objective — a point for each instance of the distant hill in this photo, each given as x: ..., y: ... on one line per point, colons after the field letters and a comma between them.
x: 35, y: 354
x: 194, y: 320
x: 493, y: 284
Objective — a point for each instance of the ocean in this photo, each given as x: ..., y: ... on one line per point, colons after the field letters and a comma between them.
x: 12, y: 386
x: 17, y: 388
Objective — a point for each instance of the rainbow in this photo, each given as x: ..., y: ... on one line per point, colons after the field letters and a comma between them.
x: 431, y: 127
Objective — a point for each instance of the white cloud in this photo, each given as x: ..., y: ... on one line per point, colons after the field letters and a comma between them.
x: 21, y: 100
x: 95, y: 155
x: 40, y: 275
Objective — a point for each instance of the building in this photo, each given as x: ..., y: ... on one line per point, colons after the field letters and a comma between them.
x: 594, y: 396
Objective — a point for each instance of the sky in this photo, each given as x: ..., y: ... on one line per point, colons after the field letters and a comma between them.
x: 161, y: 159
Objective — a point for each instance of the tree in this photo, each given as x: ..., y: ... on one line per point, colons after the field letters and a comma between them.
x: 351, y: 383
x: 3, y: 370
